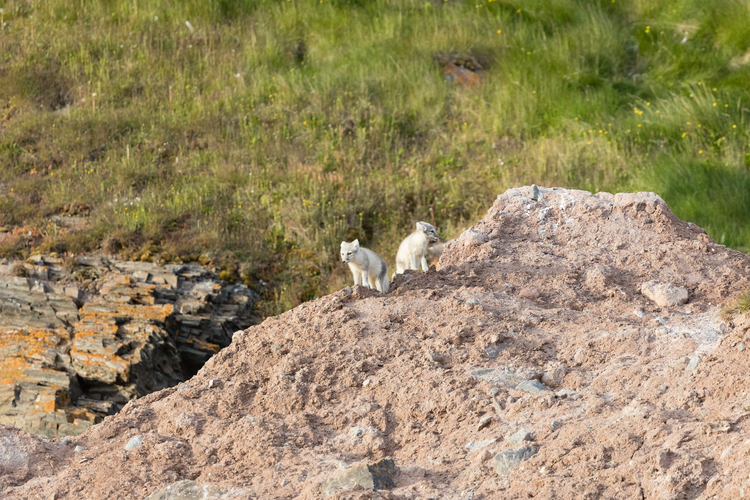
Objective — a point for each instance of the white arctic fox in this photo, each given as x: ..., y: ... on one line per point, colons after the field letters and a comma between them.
x: 411, y: 251
x: 369, y: 269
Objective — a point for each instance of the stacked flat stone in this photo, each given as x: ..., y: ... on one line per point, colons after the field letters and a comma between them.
x: 71, y: 355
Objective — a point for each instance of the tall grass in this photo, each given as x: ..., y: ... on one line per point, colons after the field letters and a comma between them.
x: 266, y: 132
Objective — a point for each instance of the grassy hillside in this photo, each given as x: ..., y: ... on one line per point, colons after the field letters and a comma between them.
x: 265, y: 132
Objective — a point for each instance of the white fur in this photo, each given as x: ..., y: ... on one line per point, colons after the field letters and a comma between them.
x: 411, y: 251
x: 369, y: 269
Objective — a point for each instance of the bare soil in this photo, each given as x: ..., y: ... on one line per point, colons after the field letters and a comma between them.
x: 545, y: 290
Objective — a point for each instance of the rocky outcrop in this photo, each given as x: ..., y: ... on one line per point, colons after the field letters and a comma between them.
x: 78, y: 342
x: 424, y: 392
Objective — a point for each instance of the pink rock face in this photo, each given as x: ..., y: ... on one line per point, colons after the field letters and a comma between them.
x: 626, y: 419
x: 664, y: 294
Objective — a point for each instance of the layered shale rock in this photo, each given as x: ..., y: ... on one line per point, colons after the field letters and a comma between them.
x: 79, y: 341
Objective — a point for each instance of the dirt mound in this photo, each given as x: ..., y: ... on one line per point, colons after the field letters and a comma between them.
x: 529, y: 364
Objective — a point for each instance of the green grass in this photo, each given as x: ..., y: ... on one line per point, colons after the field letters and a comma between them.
x: 740, y: 305
x: 273, y: 130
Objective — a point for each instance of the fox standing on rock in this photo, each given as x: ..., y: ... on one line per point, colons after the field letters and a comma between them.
x: 411, y: 251
x: 369, y: 269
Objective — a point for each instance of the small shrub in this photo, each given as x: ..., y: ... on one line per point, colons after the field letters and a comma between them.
x: 246, y: 273
x: 740, y: 305
x: 19, y: 270
x: 120, y: 240
x: 112, y: 244
x: 206, y: 259
x: 69, y: 263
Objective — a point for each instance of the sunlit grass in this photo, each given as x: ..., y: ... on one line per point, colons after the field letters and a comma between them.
x: 740, y: 305
x: 266, y: 132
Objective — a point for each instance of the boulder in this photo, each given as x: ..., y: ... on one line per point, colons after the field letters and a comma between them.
x: 664, y: 294
x: 506, y: 461
x: 554, y: 377
x: 520, y: 436
x: 532, y: 386
x: 380, y: 475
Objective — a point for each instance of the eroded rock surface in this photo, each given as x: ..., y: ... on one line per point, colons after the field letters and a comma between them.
x: 71, y: 354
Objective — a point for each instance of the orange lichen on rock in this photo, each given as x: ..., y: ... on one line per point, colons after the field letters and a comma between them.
x: 202, y: 345
x: 111, y: 337
x: 98, y: 312
x: 78, y: 415
x: 125, y: 337
x: 35, y: 384
x: 122, y: 280
x: 23, y: 348
x: 11, y: 369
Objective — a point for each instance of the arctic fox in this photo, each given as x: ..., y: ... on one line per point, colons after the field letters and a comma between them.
x: 369, y: 269
x: 411, y: 251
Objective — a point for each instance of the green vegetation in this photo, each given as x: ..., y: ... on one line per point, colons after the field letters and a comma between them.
x: 265, y: 132
x: 740, y: 305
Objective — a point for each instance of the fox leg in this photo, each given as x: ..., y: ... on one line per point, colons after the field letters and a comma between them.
x: 357, y: 277
x: 424, y: 264
x: 366, y: 280
x: 414, y: 262
x: 400, y: 266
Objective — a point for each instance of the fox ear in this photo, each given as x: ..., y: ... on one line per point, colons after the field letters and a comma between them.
x: 355, y: 243
x: 343, y: 243
x: 420, y: 226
